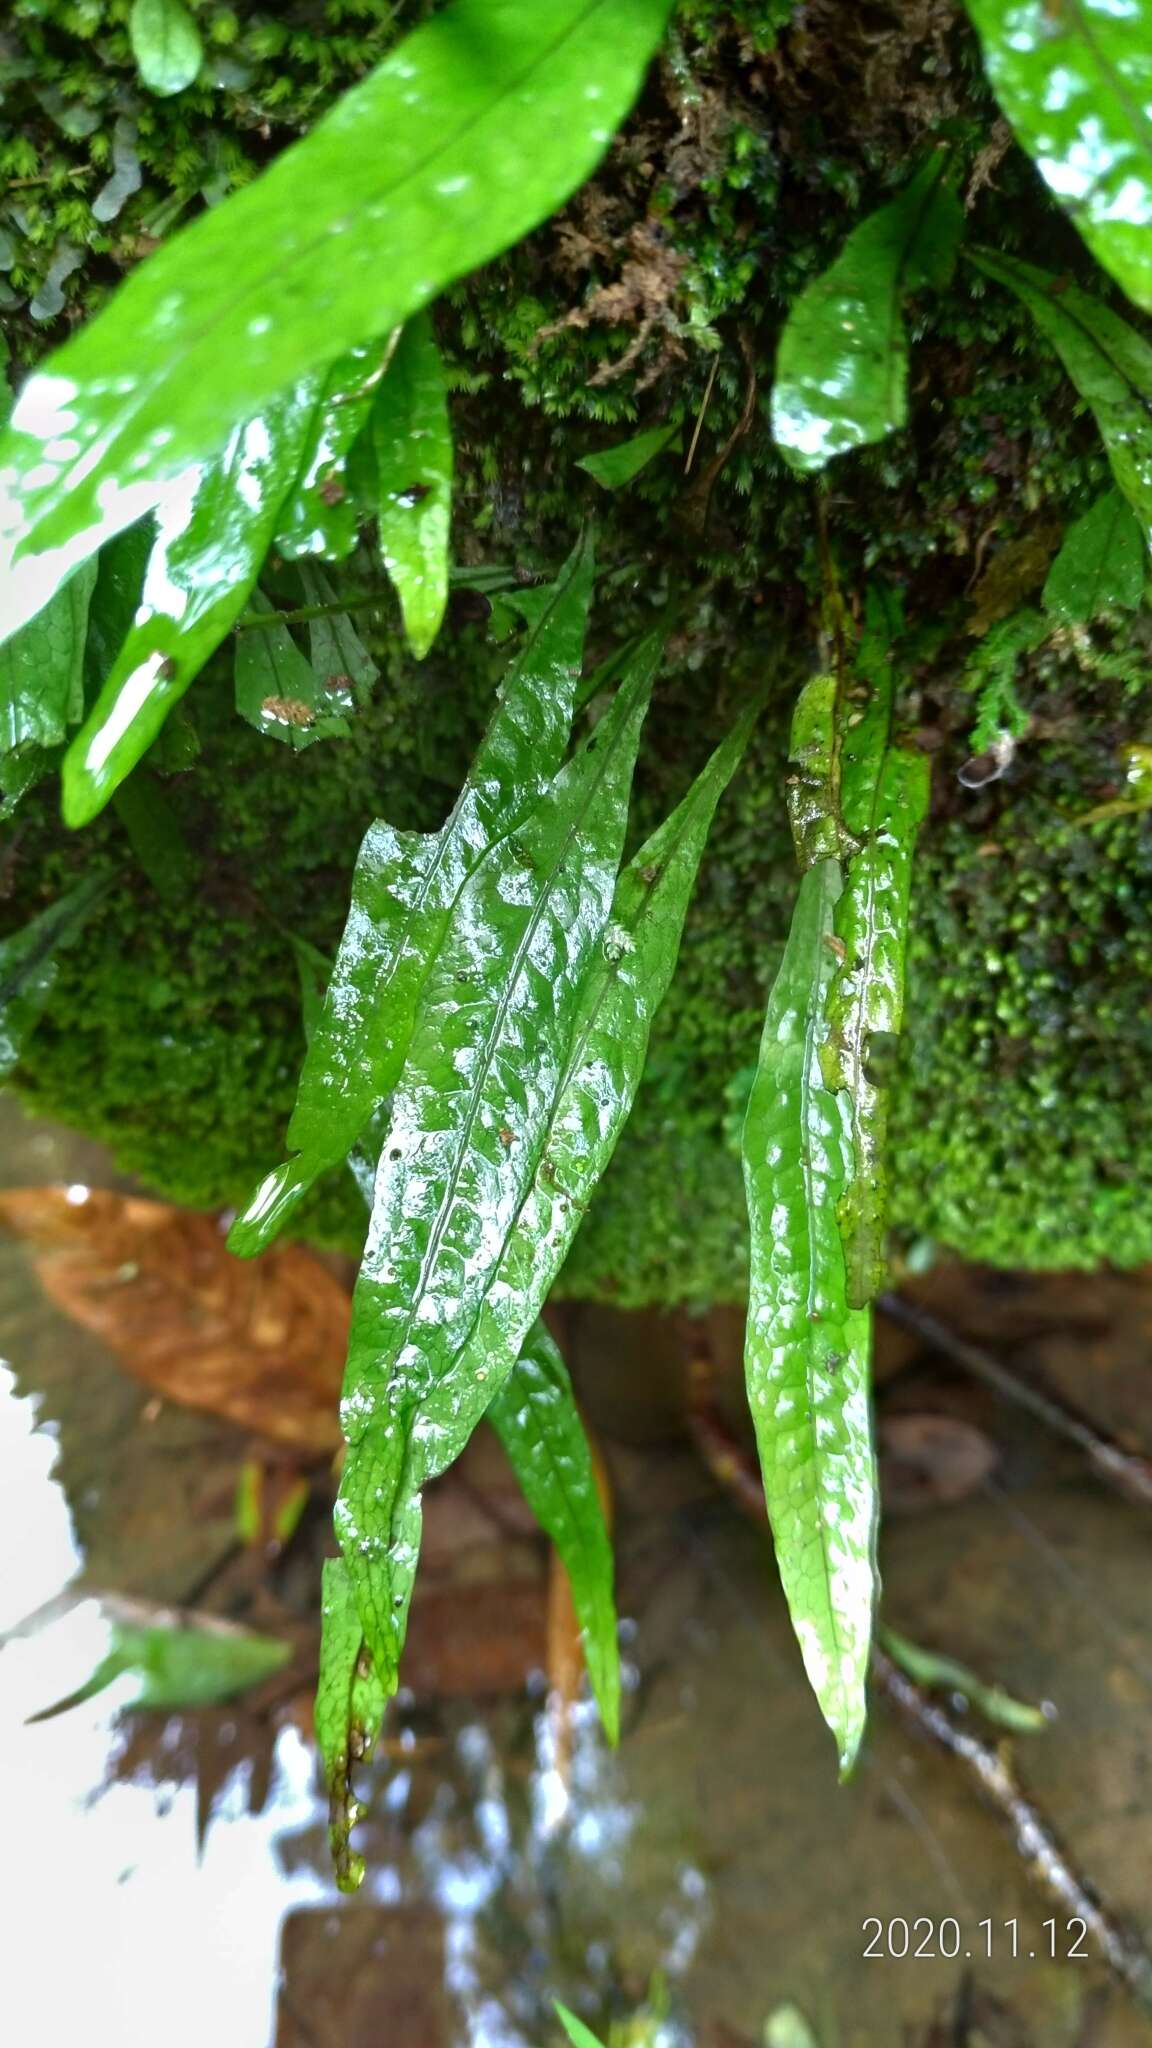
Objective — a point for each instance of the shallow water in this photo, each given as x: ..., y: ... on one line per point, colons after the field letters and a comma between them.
x: 716, y: 1850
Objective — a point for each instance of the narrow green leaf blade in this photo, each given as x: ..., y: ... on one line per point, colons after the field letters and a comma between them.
x: 842, y: 365
x: 536, y: 1418
x: 612, y: 468
x: 478, y: 125
x: 1102, y: 565
x: 412, y: 436
x: 29, y: 965
x: 213, y: 532
x: 814, y: 772
x: 279, y: 692
x: 42, y: 669
x: 404, y: 889
x: 807, y: 1352
x: 319, y: 516
x: 1075, y: 80
x: 578, y: 2034
x: 468, y: 1118
x: 866, y: 1007
x: 166, y: 45
x: 349, y: 1712
x: 1108, y: 362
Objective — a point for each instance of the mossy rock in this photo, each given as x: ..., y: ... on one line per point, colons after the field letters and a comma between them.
x: 656, y: 297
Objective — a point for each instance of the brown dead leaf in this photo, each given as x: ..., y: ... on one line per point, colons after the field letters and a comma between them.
x: 259, y: 1341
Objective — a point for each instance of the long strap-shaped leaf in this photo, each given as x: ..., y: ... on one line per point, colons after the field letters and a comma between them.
x: 623, y: 989
x: 350, y: 1704
x: 213, y: 533
x: 842, y: 365
x: 468, y: 1121
x: 1108, y: 362
x: 412, y: 438
x: 1075, y: 80
x: 807, y: 1352
x: 42, y: 669
x: 537, y: 1420
x: 319, y: 515
x: 884, y: 795
x: 477, y: 126
x: 403, y: 892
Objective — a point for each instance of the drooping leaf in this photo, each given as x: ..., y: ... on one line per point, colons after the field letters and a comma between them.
x: 121, y: 567
x: 262, y: 1345
x: 404, y: 889
x: 213, y: 532
x: 537, y: 1420
x: 280, y: 693
x: 1108, y: 362
x: 612, y: 468
x: 154, y: 835
x: 1074, y: 78
x: 29, y: 965
x: 468, y: 1121
x: 814, y: 773
x: 578, y: 2034
x: 623, y: 988
x: 178, y: 1662
x: 807, y: 1351
x: 475, y: 127
x: 884, y: 796
x: 166, y: 45
x: 412, y: 437
x: 349, y: 1710
x: 42, y: 669
x: 319, y: 516
x: 842, y: 364
x: 337, y: 652
x: 1102, y: 565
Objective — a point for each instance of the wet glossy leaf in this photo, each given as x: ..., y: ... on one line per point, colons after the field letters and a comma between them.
x: 537, y: 1420
x: 166, y: 45
x: 412, y: 438
x: 578, y: 2034
x: 1102, y: 565
x: 178, y: 1662
x: 623, y: 987
x: 261, y: 1344
x: 349, y: 1710
x: 42, y: 669
x: 814, y: 773
x: 1108, y: 362
x: 121, y: 567
x: 469, y: 1118
x: 475, y: 127
x: 807, y: 1352
x: 404, y: 889
x: 884, y: 798
x: 337, y: 653
x: 1074, y: 78
x: 29, y: 966
x: 213, y: 532
x: 280, y: 693
x: 842, y: 365
x: 615, y: 467
x: 320, y: 515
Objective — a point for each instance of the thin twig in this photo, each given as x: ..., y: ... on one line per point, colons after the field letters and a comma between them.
x: 1128, y: 1471
x: 1044, y: 1858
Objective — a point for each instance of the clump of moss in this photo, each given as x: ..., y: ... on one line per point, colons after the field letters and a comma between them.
x: 657, y: 295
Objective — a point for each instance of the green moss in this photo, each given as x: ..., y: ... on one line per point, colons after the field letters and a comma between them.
x: 657, y: 295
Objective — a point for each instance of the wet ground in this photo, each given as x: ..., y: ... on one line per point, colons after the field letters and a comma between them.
x: 142, y: 1899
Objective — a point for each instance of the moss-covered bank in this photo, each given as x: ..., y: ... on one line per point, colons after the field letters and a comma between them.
x: 1020, y: 1133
